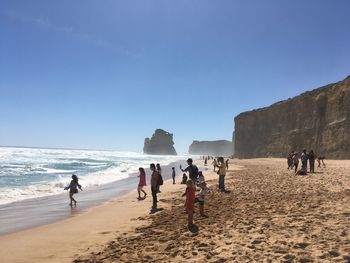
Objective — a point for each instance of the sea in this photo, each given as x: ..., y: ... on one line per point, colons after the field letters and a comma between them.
x: 32, y: 182
x: 27, y: 173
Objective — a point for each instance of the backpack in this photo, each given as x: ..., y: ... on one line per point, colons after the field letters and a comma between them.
x: 160, y: 180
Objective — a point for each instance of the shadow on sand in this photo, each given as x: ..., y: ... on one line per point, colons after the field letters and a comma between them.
x: 155, y: 210
x: 193, y: 229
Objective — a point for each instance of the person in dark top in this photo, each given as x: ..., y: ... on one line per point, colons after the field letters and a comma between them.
x: 173, y: 174
x: 154, y: 183
x: 73, y: 189
x: 191, y: 169
x: 312, y: 161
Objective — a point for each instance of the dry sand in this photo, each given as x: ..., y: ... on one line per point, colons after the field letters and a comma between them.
x: 268, y: 215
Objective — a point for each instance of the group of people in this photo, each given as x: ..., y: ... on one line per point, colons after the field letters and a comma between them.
x: 194, y: 182
x: 305, y: 157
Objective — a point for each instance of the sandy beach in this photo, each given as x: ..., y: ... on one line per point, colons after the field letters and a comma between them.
x: 267, y: 215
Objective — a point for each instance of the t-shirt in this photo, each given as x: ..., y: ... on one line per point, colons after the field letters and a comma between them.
x: 222, y: 169
x: 154, y: 179
x: 192, y: 171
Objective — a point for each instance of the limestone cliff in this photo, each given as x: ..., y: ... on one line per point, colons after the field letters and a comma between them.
x: 161, y: 143
x: 216, y: 148
x: 318, y: 120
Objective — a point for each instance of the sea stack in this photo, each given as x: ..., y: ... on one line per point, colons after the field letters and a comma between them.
x: 317, y: 120
x: 161, y: 143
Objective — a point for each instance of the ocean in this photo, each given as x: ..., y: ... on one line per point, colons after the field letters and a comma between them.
x: 27, y: 173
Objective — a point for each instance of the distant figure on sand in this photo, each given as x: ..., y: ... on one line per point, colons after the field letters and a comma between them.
x: 73, y: 189
x: 304, y: 158
x: 222, y: 173
x: 191, y: 169
x: 227, y: 164
x: 201, y: 195
x: 184, y: 179
x: 290, y: 160
x: 312, y: 161
x: 189, y: 204
x: 214, y: 163
x: 295, y: 162
x: 154, y: 183
x: 205, y: 161
x: 142, y: 183
x: 173, y: 174
x: 319, y: 160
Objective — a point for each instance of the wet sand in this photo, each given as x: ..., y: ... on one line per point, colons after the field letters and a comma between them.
x: 34, y: 212
x: 267, y: 215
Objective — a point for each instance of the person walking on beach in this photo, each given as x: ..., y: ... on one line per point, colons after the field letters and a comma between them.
x: 154, y: 183
x: 173, y: 174
x: 222, y: 173
x: 189, y: 203
x: 312, y: 161
x: 191, y: 169
x: 73, y: 189
x: 319, y: 160
x: 214, y: 163
x: 205, y: 161
x: 304, y: 158
x: 160, y: 179
x: 142, y: 183
x: 290, y: 160
x: 227, y: 164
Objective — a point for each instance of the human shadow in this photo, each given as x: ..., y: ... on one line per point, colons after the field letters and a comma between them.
x: 155, y: 210
x: 193, y: 228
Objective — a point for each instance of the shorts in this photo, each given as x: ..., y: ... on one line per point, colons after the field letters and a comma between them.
x: 73, y: 191
x: 201, y: 202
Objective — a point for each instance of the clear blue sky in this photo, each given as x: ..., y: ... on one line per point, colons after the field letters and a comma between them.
x: 106, y: 74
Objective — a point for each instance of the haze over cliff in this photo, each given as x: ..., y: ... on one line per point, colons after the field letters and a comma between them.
x: 216, y: 148
x: 318, y: 120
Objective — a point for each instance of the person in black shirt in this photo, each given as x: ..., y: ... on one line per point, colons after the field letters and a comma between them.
x: 191, y: 169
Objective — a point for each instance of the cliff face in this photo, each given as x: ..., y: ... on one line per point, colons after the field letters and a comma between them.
x: 216, y: 148
x: 318, y: 120
x: 161, y: 143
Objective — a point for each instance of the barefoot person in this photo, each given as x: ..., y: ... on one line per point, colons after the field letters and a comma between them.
x: 73, y: 189
x: 142, y: 183
x: 189, y: 204
x: 154, y: 183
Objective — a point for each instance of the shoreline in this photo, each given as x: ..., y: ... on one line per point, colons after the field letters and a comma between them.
x: 35, y: 212
x: 267, y: 214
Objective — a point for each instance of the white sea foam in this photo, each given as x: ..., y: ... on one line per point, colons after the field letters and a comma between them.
x: 29, y: 173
